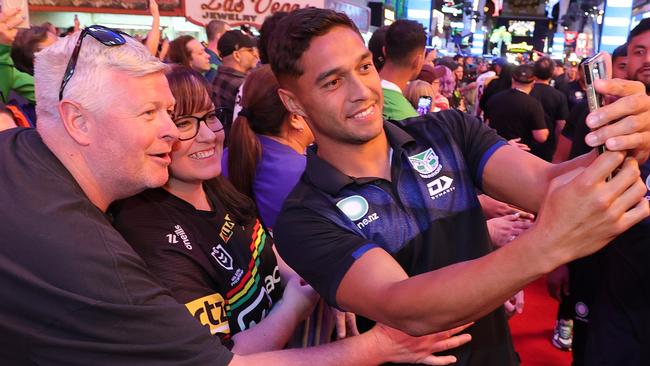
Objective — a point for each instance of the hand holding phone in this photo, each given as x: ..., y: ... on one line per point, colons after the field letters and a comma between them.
x: 595, y: 68
x: 424, y: 105
x: 18, y: 4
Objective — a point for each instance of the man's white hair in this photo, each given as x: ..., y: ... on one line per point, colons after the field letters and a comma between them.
x: 89, y: 83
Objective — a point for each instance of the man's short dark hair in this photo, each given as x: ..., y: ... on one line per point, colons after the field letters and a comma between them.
x: 544, y: 68
x: 402, y: 39
x: 376, y: 46
x: 268, y: 27
x: 294, y: 34
x: 214, y: 27
x: 620, y: 51
x: 642, y: 27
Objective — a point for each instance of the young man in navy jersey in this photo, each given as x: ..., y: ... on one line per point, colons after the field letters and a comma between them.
x: 385, y: 221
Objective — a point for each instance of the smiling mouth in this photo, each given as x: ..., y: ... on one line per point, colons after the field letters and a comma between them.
x: 202, y: 154
x: 365, y: 113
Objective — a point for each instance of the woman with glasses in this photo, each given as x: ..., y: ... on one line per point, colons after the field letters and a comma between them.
x: 202, y: 239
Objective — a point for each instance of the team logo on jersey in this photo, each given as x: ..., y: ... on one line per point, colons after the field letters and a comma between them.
x: 354, y: 207
x: 226, y: 229
x: 222, y: 257
x: 426, y: 163
x: 440, y: 187
x: 211, y: 312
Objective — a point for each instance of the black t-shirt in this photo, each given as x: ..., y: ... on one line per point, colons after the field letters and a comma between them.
x: 513, y: 113
x: 225, y: 273
x: 426, y: 217
x: 555, y: 108
x: 576, y: 129
x: 73, y: 291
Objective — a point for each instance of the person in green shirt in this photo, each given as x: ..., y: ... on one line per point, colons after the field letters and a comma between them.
x: 10, y: 77
x: 404, y: 53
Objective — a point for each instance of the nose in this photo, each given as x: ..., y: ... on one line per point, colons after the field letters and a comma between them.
x: 205, y: 134
x: 168, y: 129
x: 359, y: 91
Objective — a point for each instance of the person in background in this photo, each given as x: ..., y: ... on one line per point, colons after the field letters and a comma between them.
x: 433, y: 76
x: 214, y: 30
x: 513, y: 113
x: 154, y: 41
x: 12, y: 79
x: 265, y: 31
x: 187, y: 51
x: 27, y: 43
x: 504, y: 81
x: 619, y: 62
x: 447, y: 82
x: 576, y: 88
x: 269, y: 144
x: 417, y: 89
x: 376, y: 46
x: 404, y: 52
x: 239, y: 54
x: 554, y: 103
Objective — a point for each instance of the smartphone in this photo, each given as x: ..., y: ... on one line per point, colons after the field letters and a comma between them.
x: 595, y: 68
x: 424, y: 105
x: 23, y: 5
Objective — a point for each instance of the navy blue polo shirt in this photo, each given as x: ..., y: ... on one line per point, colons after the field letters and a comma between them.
x: 427, y: 216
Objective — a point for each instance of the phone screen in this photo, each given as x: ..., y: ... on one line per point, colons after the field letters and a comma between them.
x: 18, y: 4
x: 424, y: 105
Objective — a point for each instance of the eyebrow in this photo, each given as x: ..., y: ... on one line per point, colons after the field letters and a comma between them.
x: 325, y: 74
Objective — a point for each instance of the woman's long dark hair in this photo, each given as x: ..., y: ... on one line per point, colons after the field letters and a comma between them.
x: 192, y: 93
x: 264, y: 114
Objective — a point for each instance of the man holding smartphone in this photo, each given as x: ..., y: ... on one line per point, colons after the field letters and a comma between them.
x: 385, y: 221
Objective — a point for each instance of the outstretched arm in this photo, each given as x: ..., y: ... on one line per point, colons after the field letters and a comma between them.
x: 379, y: 345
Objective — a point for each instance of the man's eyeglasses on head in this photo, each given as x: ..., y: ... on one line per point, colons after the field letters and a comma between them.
x: 188, y: 126
x: 106, y: 36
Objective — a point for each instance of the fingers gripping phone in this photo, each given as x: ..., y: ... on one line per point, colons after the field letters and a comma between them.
x: 18, y: 4
x: 424, y: 105
x: 595, y: 68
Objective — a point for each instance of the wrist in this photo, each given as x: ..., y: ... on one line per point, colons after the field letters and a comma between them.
x: 542, y: 250
x: 375, y: 346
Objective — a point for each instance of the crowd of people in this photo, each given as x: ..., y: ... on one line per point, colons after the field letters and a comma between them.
x: 300, y: 198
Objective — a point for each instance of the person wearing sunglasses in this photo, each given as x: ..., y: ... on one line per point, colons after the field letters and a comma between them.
x: 202, y: 239
x: 74, y: 291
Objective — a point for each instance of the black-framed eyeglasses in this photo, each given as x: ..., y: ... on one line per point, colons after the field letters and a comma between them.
x: 188, y: 126
x: 104, y: 35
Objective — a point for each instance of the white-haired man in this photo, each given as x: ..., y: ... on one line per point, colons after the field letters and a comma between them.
x: 73, y: 291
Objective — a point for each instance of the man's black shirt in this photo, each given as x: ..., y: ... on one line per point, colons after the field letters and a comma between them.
x: 513, y: 113
x: 555, y: 108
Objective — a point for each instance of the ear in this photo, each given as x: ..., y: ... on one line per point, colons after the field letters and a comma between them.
x: 297, y: 122
x: 236, y: 55
x: 383, y: 51
x: 75, y: 123
x: 291, y: 103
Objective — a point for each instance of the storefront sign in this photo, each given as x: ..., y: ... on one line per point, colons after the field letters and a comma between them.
x: 253, y: 12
